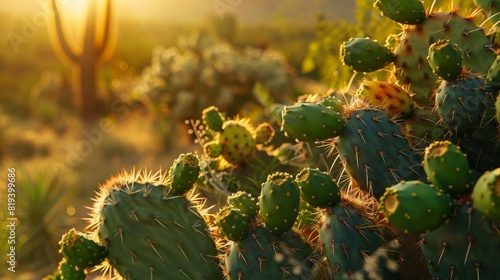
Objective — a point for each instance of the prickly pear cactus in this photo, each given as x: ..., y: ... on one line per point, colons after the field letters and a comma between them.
x: 365, y: 55
x: 415, y: 207
x: 486, y: 194
x: 318, y: 188
x: 445, y: 60
x: 80, y: 251
x: 279, y: 202
x: 236, y: 139
x: 150, y: 230
x: 232, y: 223
x: 244, y: 202
x: 465, y: 247
x: 407, y: 12
x: 213, y: 118
x: 184, y: 172
x: 394, y: 100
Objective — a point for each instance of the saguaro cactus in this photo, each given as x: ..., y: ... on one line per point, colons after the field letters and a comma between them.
x: 86, y: 60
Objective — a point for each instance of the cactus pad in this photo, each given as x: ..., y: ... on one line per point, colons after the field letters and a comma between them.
x: 407, y: 12
x: 445, y: 59
x: 486, y: 194
x: 184, y: 172
x: 318, y: 188
x: 81, y: 251
x: 365, y: 55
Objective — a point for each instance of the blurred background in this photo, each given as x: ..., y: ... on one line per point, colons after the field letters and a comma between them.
x: 91, y: 87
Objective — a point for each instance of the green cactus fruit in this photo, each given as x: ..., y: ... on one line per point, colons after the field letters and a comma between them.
x: 244, y: 202
x: 365, y: 55
x: 311, y: 122
x: 415, y: 207
x: 232, y: 223
x: 263, y: 256
x: 491, y: 8
x: 424, y: 127
x: 349, y: 235
x: 445, y: 59
x: 279, y: 202
x: 394, y: 100
x: 461, y: 103
x: 212, y: 149
x: 264, y: 133
x: 184, y: 173
x: 486, y: 194
x: 466, y: 247
x: 150, y: 231
x: 318, y: 188
x: 407, y: 12
x: 213, y: 118
x: 411, y: 66
x: 375, y: 153
x: 493, y: 76
x: 332, y: 102
x: 238, y: 144
x: 81, y: 251
x: 67, y: 270
x: 447, y: 168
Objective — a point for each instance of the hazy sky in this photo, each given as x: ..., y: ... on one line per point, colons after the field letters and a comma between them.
x: 193, y: 10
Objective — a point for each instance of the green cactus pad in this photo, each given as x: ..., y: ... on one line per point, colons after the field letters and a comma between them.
x: 213, y: 118
x: 407, y: 11
x: 212, y: 149
x: 486, y: 194
x: 150, y: 231
x: 348, y: 235
x: 81, y: 251
x: 394, y: 100
x: 238, y: 144
x: 466, y: 247
x: 311, y: 122
x: 318, y: 188
x: 447, y: 168
x: 415, y: 207
x: 445, y: 60
x: 332, y: 102
x: 232, y: 223
x: 264, y: 133
x: 279, y: 202
x: 365, y: 55
x: 184, y: 172
x: 244, y: 202
x: 264, y: 256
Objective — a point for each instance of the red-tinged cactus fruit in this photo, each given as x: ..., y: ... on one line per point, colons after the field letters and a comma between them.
x: 184, y: 173
x: 415, y: 207
x: 279, y: 202
x: 486, y: 195
x: 318, y: 188
x: 465, y: 247
x: 445, y: 60
x: 238, y: 144
x: 311, y: 122
x: 264, y: 133
x: 81, y: 251
x: 394, y: 100
x: 232, y: 223
x: 213, y: 118
x: 365, y: 55
x: 412, y: 68
x: 447, y: 168
x: 406, y: 12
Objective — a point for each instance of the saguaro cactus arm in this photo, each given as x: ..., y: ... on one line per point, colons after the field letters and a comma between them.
x: 61, y: 38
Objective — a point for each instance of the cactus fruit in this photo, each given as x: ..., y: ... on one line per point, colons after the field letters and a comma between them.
x: 184, y: 172
x: 81, y: 251
x: 365, y: 55
x: 150, y: 231
x: 375, y: 153
x: 311, y: 122
x: 349, y: 235
x: 238, y: 144
x: 244, y: 202
x: 407, y: 12
x: 232, y: 223
x: 263, y: 256
x: 447, y: 168
x: 461, y: 103
x: 212, y: 149
x: 279, y: 202
x: 486, y: 195
x: 67, y: 270
x: 391, y: 98
x: 331, y: 102
x: 318, y: 188
x: 213, y: 118
x: 465, y: 247
x: 264, y: 133
x: 445, y: 59
x: 415, y: 207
